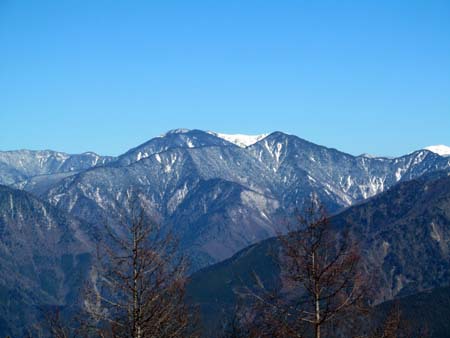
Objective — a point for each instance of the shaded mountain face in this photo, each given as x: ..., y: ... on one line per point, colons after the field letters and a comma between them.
x: 44, y: 256
x: 229, y: 196
x: 17, y: 167
x: 403, y: 235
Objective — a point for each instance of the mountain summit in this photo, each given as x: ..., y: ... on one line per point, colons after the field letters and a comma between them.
x: 439, y: 149
x: 240, y: 140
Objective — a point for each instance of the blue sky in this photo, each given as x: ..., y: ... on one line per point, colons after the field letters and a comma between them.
x: 360, y: 76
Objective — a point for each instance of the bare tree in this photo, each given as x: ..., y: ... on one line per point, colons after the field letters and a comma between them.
x: 234, y: 327
x: 53, y: 324
x: 395, y: 326
x: 321, y: 281
x: 138, y: 287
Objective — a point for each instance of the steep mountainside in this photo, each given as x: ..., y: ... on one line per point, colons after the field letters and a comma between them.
x: 229, y: 196
x: 345, y: 177
x: 44, y: 254
x: 403, y: 234
x: 207, y: 181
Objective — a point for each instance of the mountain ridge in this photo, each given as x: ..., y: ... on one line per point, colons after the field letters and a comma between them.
x: 286, y: 171
x: 269, y: 179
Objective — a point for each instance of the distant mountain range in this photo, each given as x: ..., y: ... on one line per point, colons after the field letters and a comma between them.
x: 219, y: 193
x: 22, y: 165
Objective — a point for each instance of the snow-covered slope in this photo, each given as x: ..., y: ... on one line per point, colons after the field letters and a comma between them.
x: 240, y: 140
x: 439, y: 149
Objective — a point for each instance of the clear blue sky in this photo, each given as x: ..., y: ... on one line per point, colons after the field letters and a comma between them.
x: 360, y: 76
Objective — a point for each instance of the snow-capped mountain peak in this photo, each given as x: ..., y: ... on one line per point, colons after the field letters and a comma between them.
x: 240, y: 140
x: 439, y: 149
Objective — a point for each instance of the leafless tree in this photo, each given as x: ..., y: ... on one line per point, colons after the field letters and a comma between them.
x: 138, y: 284
x: 321, y: 281
x: 395, y: 326
x: 234, y: 327
x: 53, y: 324
x: 56, y: 325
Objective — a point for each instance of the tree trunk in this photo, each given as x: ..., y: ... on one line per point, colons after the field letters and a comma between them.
x: 137, y: 332
x: 316, y: 298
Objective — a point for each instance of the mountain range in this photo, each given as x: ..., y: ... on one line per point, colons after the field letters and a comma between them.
x: 219, y: 194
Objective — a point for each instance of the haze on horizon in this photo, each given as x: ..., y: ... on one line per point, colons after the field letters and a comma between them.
x: 369, y: 77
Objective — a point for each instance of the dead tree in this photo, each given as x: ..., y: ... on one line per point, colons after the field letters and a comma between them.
x: 321, y: 280
x: 138, y: 284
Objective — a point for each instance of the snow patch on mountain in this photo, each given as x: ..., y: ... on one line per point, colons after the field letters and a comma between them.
x: 240, y: 140
x: 177, y: 198
x: 141, y: 155
x: 439, y: 149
